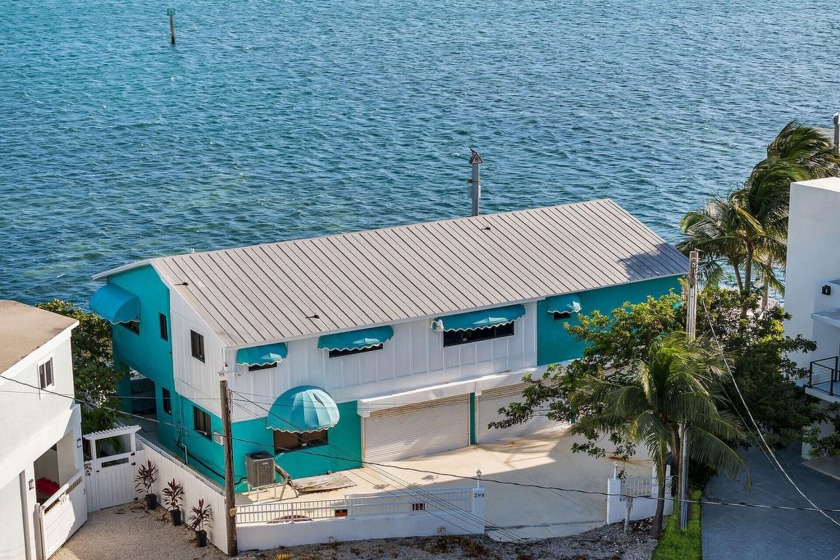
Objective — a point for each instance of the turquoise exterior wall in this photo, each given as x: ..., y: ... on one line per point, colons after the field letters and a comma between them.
x: 343, y: 450
x: 147, y: 352
x: 555, y: 344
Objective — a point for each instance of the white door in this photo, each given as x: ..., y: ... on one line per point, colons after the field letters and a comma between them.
x: 487, y: 410
x: 418, y: 429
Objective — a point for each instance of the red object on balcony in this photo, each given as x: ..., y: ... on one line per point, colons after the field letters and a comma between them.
x: 45, y: 488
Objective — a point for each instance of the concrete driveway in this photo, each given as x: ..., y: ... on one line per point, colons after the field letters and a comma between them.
x: 511, y: 512
x: 751, y: 533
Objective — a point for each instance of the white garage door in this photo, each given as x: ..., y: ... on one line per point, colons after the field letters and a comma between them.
x: 489, y: 402
x: 418, y: 429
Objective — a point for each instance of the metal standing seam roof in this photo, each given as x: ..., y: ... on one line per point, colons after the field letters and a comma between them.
x: 272, y: 292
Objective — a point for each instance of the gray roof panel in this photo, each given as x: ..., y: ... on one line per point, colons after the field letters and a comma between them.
x: 269, y: 292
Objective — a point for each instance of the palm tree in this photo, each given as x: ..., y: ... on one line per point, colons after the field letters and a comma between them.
x: 748, y: 229
x: 673, y: 390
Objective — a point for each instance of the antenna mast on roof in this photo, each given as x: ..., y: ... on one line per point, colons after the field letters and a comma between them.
x: 475, y: 181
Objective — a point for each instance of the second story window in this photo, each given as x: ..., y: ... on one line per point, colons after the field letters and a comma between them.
x: 201, y: 422
x: 133, y: 326
x: 351, y: 351
x: 164, y: 331
x: 197, y: 345
x: 454, y: 338
x: 45, y: 374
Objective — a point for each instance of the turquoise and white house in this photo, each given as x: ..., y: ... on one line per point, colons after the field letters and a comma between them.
x: 370, y: 346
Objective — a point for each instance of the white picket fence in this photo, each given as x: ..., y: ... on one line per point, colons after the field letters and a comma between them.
x: 639, y: 494
x: 61, y: 515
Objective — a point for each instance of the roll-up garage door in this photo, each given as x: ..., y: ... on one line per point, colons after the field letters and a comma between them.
x: 418, y: 429
x: 489, y: 402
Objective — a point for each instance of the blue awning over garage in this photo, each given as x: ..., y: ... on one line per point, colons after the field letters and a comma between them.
x: 303, y: 409
x: 262, y: 355
x: 567, y: 303
x: 115, y: 304
x: 480, y: 319
x: 356, y: 340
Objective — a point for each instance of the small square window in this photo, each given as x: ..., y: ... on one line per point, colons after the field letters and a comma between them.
x: 164, y: 331
x: 201, y: 422
x: 560, y: 315
x: 262, y: 366
x: 133, y: 326
x: 167, y: 400
x: 45, y: 374
x: 197, y: 345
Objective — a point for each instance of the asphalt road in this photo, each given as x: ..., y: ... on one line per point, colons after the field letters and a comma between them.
x: 749, y: 533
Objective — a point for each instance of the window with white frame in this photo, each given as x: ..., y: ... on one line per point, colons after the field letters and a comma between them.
x: 45, y: 374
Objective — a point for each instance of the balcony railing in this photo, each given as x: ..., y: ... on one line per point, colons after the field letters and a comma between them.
x: 823, y: 375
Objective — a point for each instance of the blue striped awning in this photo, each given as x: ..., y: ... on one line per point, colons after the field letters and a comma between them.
x: 262, y: 355
x: 115, y: 304
x: 567, y: 303
x: 356, y: 340
x: 479, y: 319
x: 303, y: 409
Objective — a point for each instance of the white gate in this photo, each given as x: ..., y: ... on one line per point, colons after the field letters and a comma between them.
x: 61, y: 515
x: 110, y: 480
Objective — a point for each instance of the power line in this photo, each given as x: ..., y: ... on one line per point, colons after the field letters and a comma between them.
x: 451, y: 475
x: 755, y: 424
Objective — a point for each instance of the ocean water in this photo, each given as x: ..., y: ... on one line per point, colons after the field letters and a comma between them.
x: 275, y: 120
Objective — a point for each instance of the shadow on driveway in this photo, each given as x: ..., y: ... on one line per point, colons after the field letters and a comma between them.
x: 751, y: 533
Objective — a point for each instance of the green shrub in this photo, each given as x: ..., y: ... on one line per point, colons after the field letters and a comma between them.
x: 678, y: 545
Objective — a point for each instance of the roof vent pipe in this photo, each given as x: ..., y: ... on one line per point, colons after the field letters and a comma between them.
x: 475, y: 181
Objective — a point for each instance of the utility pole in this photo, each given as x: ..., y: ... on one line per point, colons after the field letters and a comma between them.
x: 475, y: 181
x: 837, y: 133
x: 691, y: 331
x: 230, y: 499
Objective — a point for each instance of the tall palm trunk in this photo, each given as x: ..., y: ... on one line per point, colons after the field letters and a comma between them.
x: 656, y: 527
x: 765, y: 297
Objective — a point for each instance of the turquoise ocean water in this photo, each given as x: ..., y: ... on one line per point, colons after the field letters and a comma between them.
x: 274, y: 120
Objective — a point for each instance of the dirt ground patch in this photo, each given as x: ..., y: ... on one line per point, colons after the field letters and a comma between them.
x: 131, y: 532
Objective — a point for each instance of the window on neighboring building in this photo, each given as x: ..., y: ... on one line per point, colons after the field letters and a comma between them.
x: 197, y: 345
x: 454, y: 338
x: 167, y: 400
x: 201, y: 422
x: 286, y: 441
x: 339, y: 353
x: 45, y: 374
x: 164, y: 331
x: 133, y: 326
x: 258, y: 367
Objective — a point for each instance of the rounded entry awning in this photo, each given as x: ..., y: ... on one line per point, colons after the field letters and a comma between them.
x: 303, y: 409
x: 115, y: 304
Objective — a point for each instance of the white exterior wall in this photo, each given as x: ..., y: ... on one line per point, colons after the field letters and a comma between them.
x: 813, y: 257
x: 33, y: 421
x: 414, y: 358
x: 195, y: 380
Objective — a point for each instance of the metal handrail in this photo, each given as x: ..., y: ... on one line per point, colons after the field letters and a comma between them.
x: 832, y: 374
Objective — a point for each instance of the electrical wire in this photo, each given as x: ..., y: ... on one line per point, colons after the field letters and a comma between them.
x: 755, y: 424
x: 437, y: 473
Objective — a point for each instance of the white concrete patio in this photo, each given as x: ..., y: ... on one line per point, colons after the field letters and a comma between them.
x: 512, y: 510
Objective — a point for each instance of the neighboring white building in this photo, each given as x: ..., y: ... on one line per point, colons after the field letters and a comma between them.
x: 40, y: 434
x: 812, y: 285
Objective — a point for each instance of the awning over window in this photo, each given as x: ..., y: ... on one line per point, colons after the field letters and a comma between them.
x: 115, y: 304
x: 261, y: 355
x: 567, y: 303
x: 356, y: 340
x: 303, y: 409
x: 480, y: 319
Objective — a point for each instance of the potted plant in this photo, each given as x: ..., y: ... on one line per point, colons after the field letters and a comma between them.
x: 173, y: 495
x: 200, y: 516
x: 146, y: 477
